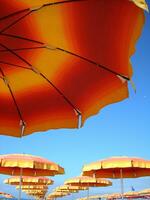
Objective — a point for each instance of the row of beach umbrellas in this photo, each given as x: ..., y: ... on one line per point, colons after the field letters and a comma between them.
x: 127, y: 195
x: 26, y: 171
x: 94, y: 174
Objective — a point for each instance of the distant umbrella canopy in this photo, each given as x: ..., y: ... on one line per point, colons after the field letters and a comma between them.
x: 32, y: 187
x: 57, y: 195
x: 28, y: 181
x: 69, y: 188
x: 28, y: 165
x: 61, y: 61
x: 85, y: 181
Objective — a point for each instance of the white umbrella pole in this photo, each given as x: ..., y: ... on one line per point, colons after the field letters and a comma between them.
x: 20, y: 184
x: 122, y: 185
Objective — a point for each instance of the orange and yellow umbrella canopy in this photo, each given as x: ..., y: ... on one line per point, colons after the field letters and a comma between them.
x: 28, y: 165
x: 57, y: 194
x: 70, y: 188
x: 6, y: 195
x: 54, y: 53
x: 85, y: 181
x: 145, y: 192
x: 33, y: 187
x: 118, y: 167
x: 114, y: 196
x: 132, y: 195
x: 111, y: 167
x: 29, y: 181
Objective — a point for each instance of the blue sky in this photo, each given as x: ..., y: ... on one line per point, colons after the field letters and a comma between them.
x: 119, y: 129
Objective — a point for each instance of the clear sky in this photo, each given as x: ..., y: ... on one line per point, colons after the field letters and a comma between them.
x: 119, y: 129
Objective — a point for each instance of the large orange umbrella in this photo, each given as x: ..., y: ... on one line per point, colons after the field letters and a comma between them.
x: 24, y: 165
x: 54, y: 53
x: 85, y: 181
x: 118, y: 167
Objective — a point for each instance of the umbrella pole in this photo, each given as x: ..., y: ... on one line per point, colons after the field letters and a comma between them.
x: 122, y: 185
x: 88, y: 192
x: 20, y: 184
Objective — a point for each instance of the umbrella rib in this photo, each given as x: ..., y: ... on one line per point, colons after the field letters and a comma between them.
x: 15, y: 22
x: 93, y: 62
x: 38, y: 8
x: 11, y: 64
x: 14, y: 14
x: 15, y: 102
x: 22, y: 38
x: 23, y: 49
x: 43, y: 76
x: 69, y: 52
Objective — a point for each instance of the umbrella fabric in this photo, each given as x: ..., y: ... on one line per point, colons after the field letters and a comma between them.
x: 70, y: 188
x: 57, y: 194
x: 145, y: 191
x: 32, y: 187
x: 132, y: 194
x: 35, y: 191
x: 85, y: 181
x: 61, y: 61
x: 110, y: 168
x: 30, y: 165
x: 29, y: 181
x: 114, y: 196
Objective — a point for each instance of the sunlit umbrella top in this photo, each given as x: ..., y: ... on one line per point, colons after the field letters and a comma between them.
x: 28, y: 180
x: 88, y: 182
x: 110, y: 168
x: 30, y: 165
x: 53, y: 54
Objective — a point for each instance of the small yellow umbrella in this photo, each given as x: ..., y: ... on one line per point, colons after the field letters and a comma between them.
x: 6, y: 195
x: 90, y: 197
x: 118, y: 167
x: 29, y: 180
x: 70, y: 189
x: 132, y: 195
x: 114, y: 196
x: 85, y: 181
x: 55, y: 195
x: 32, y: 187
x: 145, y: 191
